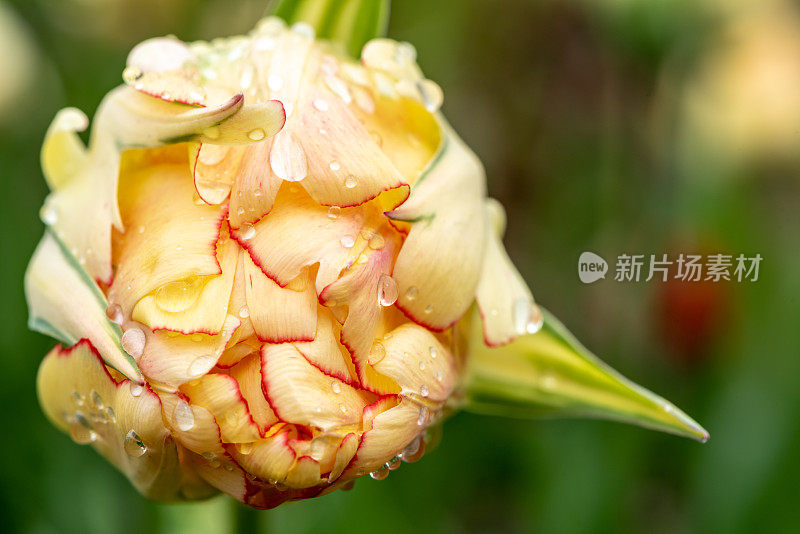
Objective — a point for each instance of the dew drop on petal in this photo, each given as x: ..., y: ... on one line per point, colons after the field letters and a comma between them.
x: 376, y: 353
x: 247, y: 231
x: 334, y: 211
x: 274, y: 82
x: 423, y: 415
x: 183, y: 416
x: 131, y: 74
x: 380, y: 474
x: 335, y: 166
x: 342, y: 408
x: 78, y: 398
x: 376, y: 242
x: 136, y: 389
x: 432, y: 351
x: 180, y: 295
x: 339, y: 88
x: 244, y: 312
x: 256, y: 135
x: 133, y: 444
x: 394, y: 463
x: 320, y: 104
x: 201, y: 365
x: 421, y: 366
x: 133, y: 342
x: 348, y: 241
x: 336, y: 386
x: 423, y: 390
x: 429, y: 308
x: 527, y: 317
x: 80, y: 429
x: 97, y: 401
x: 387, y: 290
x: 350, y: 182
x: 412, y: 292
x: 438, y: 375
x: 245, y: 448
x: 410, y: 450
x: 114, y: 313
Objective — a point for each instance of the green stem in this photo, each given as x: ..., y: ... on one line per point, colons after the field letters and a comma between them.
x: 214, y: 516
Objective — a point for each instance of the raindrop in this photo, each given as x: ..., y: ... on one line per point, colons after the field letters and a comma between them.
x: 336, y: 386
x: 287, y: 158
x: 339, y: 88
x: 423, y: 390
x: 133, y: 444
x: 431, y: 94
x: 136, y: 389
x: 97, y: 401
x: 201, y: 365
x: 245, y: 448
x: 394, y: 463
x: 334, y: 211
x: 78, y: 398
x: 527, y: 317
x: 438, y: 375
x: 412, y: 292
x: 350, y: 182
x: 256, y: 135
x: 111, y: 415
x: 421, y: 366
x: 429, y: 308
x: 247, y: 231
x: 244, y: 312
x: 183, y: 415
x: 410, y: 451
x: 48, y: 214
x: 348, y: 241
x: 335, y: 166
x: 380, y: 474
x: 80, y: 429
x: 423, y: 415
x: 114, y: 313
x: 387, y: 290
x: 320, y: 104
x: 133, y: 342
x: 131, y: 74
x: 432, y: 351
x: 180, y: 295
x: 377, y: 353
x: 376, y: 242
x: 342, y: 408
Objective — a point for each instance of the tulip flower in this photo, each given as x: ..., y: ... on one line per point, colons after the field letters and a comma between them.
x: 274, y: 269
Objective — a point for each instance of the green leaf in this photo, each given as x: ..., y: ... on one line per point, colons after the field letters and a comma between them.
x: 551, y: 374
x: 350, y: 23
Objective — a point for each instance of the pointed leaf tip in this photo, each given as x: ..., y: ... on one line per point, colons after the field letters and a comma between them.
x: 551, y: 374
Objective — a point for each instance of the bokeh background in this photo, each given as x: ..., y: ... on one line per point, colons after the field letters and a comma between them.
x: 615, y: 126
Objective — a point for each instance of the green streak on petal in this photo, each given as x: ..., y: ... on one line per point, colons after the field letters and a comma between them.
x: 551, y: 374
x: 350, y: 23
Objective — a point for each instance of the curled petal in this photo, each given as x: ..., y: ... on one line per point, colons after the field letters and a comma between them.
x: 445, y: 210
x: 248, y: 375
x: 63, y: 153
x: 254, y: 191
x: 64, y: 302
x: 220, y: 394
x: 325, y: 352
x: 80, y: 396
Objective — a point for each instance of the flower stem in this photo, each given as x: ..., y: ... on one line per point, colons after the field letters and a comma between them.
x: 214, y: 516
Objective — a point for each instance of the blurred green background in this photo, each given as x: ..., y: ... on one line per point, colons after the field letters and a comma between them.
x: 614, y: 126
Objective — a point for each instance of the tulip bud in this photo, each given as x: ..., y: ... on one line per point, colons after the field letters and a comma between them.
x: 264, y: 264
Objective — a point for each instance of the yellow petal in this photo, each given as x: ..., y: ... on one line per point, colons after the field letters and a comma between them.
x: 302, y: 394
x: 344, y: 454
x: 220, y: 394
x: 121, y: 420
x: 193, y: 426
x: 445, y: 210
x: 305, y: 473
x: 280, y: 314
x: 270, y: 458
x: 325, y: 352
x: 254, y: 190
x: 63, y: 153
x: 248, y: 375
x: 64, y: 302
x: 505, y: 302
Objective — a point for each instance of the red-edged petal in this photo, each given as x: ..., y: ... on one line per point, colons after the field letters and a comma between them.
x: 248, y: 374
x: 220, y: 394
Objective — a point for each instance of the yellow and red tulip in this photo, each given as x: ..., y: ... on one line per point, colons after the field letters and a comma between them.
x: 275, y: 268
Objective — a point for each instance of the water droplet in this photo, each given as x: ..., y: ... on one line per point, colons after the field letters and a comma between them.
x: 334, y: 211
x: 423, y: 415
x: 244, y: 312
x: 48, y: 214
x: 348, y: 241
x: 287, y: 158
x: 429, y: 308
x: 431, y: 94
x: 183, y: 415
x: 423, y: 390
x: 136, y: 389
x: 350, y: 182
x: 376, y: 353
x: 133, y: 444
x: 335, y: 166
x: 342, y: 408
x: 247, y: 231
x: 376, y: 242
x: 133, y: 342
x: 196, y: 337
x: 78, y: 398
x: 201, y: 365
x: 410, y: 451
x: 412, y: 292
x: 438, y: 375
x: 275, y: 82
x: 97, y: 401
x: 131, y: 74
x: 380, y: 474
x: 320, y: 104
x: 432, y: 351
x: 111, y: 415
x: 394, y: 463
x: 527, y: 317
x: 114, y: 313
x: 387, y: 290
x: 421, y: 366
x: 336, y: 386
x: 244, y: 448
x: 80, y: 429
x: 256, y: 135
x: 180, y: 295
x: 339, y: 88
